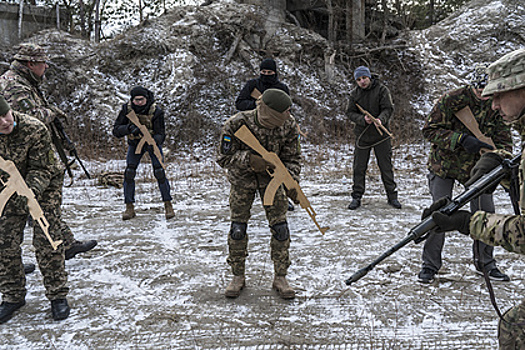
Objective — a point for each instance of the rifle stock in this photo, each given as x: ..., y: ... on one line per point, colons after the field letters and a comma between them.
x: 280, y: 175
x: 376, y: 122
x: 146, y: 138
x: 417, y: 233
x: 16, y: 184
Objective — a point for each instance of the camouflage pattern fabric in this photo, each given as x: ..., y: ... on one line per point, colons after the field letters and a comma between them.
x: 29, y: 147
x: 448, y: 159
x: 507, y: 73
x: 233, y: 155
x: 21, y: 90
x: 506, y: 231
x: 31, y: 52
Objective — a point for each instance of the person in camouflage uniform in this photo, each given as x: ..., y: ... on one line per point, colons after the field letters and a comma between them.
x: 20, y: 86
x: 375, y: 98
x: 142, y: 102
x: 507, y: 86
x: 26, y: 141
x: 277, y: 132
x: 454, y: 151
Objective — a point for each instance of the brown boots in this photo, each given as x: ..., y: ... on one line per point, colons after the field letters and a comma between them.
x: 234, y: 288
x: 129, y: 213
x: 280, y: 284
x: 169, y: 210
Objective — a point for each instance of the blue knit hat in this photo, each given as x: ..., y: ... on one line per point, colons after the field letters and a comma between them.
x: 362, y: 71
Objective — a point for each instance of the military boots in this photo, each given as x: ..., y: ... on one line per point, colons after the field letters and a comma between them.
x: 234, y: 288
x: 60, y: 309
x: 130, y: 212
x: 169, y: 210
x: 280, y: 284
x: 8, y: 309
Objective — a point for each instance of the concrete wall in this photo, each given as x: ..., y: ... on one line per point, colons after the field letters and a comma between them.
x: 34, y: 18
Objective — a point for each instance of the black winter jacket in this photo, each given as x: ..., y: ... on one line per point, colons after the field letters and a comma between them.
x: 121, y: 127
x: 245, y: 102
x: 376, y: 100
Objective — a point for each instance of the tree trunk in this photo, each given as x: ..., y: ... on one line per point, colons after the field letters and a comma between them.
x: 358, y: 19
x: 97, y: 21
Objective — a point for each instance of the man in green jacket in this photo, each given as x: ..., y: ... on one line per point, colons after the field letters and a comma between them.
x: 454, y: 151
x: 507, y: 86
x: 375, y: 98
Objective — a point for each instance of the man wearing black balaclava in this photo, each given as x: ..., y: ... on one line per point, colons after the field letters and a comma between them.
x: 268, y: 79
x: 142, y: 102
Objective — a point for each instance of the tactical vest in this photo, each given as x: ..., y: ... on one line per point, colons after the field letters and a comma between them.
x: 144, y: 119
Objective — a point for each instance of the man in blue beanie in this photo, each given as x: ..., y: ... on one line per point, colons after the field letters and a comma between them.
x: 375, y: 98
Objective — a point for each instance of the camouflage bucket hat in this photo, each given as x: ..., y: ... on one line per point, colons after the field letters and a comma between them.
x: 32, y: 53
x: 507, y: 73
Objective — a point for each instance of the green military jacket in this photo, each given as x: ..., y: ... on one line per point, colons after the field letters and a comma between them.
x: 21, y: 90
x: 448, y: 159
x: 29, y: 147
x: 507, y: 231
x: 234, y: 155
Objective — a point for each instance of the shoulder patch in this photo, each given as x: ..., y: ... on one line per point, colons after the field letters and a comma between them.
x: 226, y: 144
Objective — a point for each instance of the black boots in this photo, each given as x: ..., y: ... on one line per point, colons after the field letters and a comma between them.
x: 7, y: 310
x: 79, y: 247
x: 60, y: 309
x: 354, y: 204
x: 28, y: 268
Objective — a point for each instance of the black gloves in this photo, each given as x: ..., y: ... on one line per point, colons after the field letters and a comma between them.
x: 472, y: 144
x: 459, y: 221
x: 292, y: 194
x: 485, y: 165
x: 134, y: 130
x: 260, y: 165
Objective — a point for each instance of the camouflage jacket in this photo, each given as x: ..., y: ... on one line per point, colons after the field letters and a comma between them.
x: 29, y: 147
x: 377, y: 101
x: 21, y: 90
x: 507, y: 231
x: 448, y: 159
x: 234, y: 155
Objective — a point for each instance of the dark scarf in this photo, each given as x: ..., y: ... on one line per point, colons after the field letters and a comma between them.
x: 150, y: 99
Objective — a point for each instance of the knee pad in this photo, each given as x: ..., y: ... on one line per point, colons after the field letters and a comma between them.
x: 238, y: 230
x: 280, y: 231
x: 129, y: 174
x: 160, y: 175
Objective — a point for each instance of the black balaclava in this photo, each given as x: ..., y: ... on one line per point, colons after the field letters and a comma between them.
x: 269, y: 64
x: 141, y: 91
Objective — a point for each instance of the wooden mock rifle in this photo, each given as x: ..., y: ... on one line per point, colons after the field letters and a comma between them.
x: 466, y: 116
x: 379, y: 126
x: 146, y: 138
x: 16, y: 184
x: 280, y: 175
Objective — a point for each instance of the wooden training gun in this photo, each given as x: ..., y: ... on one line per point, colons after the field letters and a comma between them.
x: 146, y: 138
x: 280, y: 175
x: 376, y: 122
x: 16, y: 184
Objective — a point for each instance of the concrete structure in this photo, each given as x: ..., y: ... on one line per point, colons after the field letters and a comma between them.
x: 14, y: 28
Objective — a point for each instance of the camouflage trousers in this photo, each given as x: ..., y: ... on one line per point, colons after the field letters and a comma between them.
x: 511, y: 334
x: 50, y: 262
x: 241, y: 200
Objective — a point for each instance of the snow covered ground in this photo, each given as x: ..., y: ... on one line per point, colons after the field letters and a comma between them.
x: 153, y: 284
